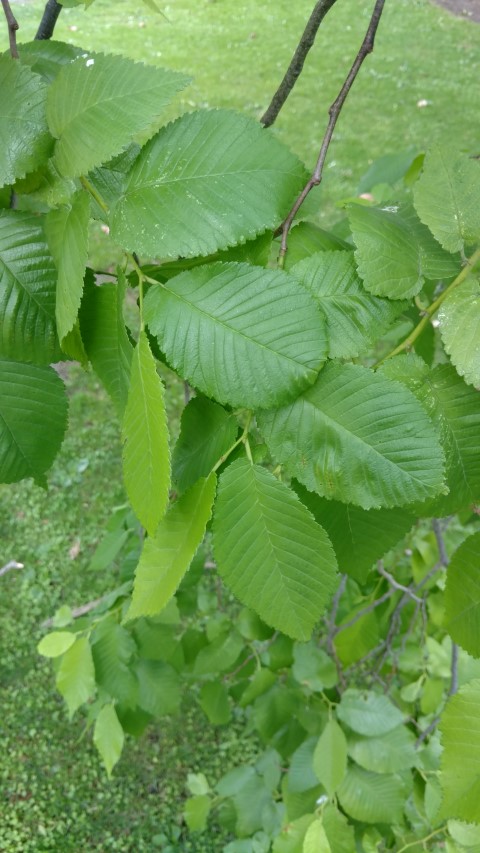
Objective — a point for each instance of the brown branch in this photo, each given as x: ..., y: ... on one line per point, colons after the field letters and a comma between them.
x: 82, y: 610
x: 334, y: 113
x: 12, y: 564
x: 332, y: 631
x: 12, y: 28
x: 49, y: 19
x: 298, y: 60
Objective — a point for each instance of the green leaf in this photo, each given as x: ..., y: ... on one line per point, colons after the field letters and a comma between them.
x: 359, y: 537
x: 159, y: 687
x: 110, y: 179
x: 98, y: 104
x: 67, y: 234
x: 28, y: 281
x: 146, y: 455
x: 55, y: 644
x: 271, y: 553
x: 25, y: 143
x: 435, y: 261
x: 112, y: 650
x: 359, y: 438
x: 105, y: 337
x: 389, y: 753
x: 316, y: 840
x: 207, y: 431
x: 197, y: 783
x: 306, y: 239
x: 339, y: 833
x: 462, y: 596
x: 368, y: 713
x: 33, y: 420
x: 76, y: 675
x: 214, y: 702
x: 355, y: 318
x: 373, y: 798
x: 209, y: 180
x: 167, y: 555
x: 330, y: 757
x: 446, y: 197
x: 460, y: 767
x: 459, y: 322
x: 46, y: 57
x: 219, y: 655
x: 455, y: 411
x: 244, y: 335
x: 291, y: 837
x: 108, y: 737
x: 313, y: 668
x: 388, y: 257
x: 301, y: 775
x: 196, y: 812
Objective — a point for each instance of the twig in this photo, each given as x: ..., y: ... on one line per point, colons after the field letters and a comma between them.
x: 253, y: 656
x: 49, y: 19
x: 12, y: 28
x: 82, y: 610
x: 360, y: 613
x: 433, y: 308
x: 12, y: 564
x: 398, y: 586
x: 334, y: 112
x: 298, y: 60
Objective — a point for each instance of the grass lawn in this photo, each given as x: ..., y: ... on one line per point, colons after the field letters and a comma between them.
x: 54, y: 794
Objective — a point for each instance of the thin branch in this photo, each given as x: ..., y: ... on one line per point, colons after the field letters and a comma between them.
x: 398, y: 586
x: 334, y: 113
x: 454, y: 671
x: 445, y: 560
x: 298, y: 60
x: 363, y: 612
x: 49, y: 19
x: 428, y: 312
x: 12, y: 24
x: 82, y: 610
x: 12, y: 564
x: 332, y: 630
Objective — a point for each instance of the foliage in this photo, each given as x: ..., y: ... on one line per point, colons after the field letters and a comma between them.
x: 271, y: 350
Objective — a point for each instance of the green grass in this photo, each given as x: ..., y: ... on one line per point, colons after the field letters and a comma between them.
x: 237, y: 50
x: 54, y: 794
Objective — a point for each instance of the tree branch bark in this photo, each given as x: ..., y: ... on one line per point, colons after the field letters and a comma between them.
x: 12, y: 24
x: 298, y: 60
x: 49, y: 19
x: 334, y: 113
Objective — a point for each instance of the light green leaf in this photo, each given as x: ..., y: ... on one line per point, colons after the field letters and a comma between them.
x: 33, y: 420
x: 339, y: 833
x: 271, y: 553
x: 112, y: 650
x: 25, y: 143
x: 388, y: 753
x: 55, y: 644
x: 214, y: 702
x: 462, y: 596
x: 105, y: 337
x: 110, y: 179
x: 359, y: 537
x: 76, y: 675
x: 306, y: 239
x: 460, y: 767
x: 368, y: 713
x: 446, y: 197
x: 330, y: 757
x: 316, y: 840
x: 98, y: 104
x: 466, y: 834
x: 373, y: 798
x: 197, y: 783
x: 196, y: 812
x: 355, y: 318
x: 159, y: 687
x: 244, y: 335
x: 207, y: 431
x: 209, y: 180
x: 67, y: 234
x: 459, y: 322
x: 291, y: 837
x: 435, y: 261
x: 146, y: 455
x: 454, y: 408
x: 167, y: 555
x: 46, y: 56
x: 313, y: 667
x: 387, y: 255
x: 301, y: 775
x: 219, y: 655
x: 108, y: 737
x: 359, y: 438
x: 28, y: 281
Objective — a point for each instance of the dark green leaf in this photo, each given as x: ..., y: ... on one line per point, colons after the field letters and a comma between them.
x: 159, y: 687
x: 244, y: 335
x: 214, y: 702
x: 460, y: 769
x: 462, y: 596
x: 270, y: 551
x: 209, y: 180
x: 206, y: 432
